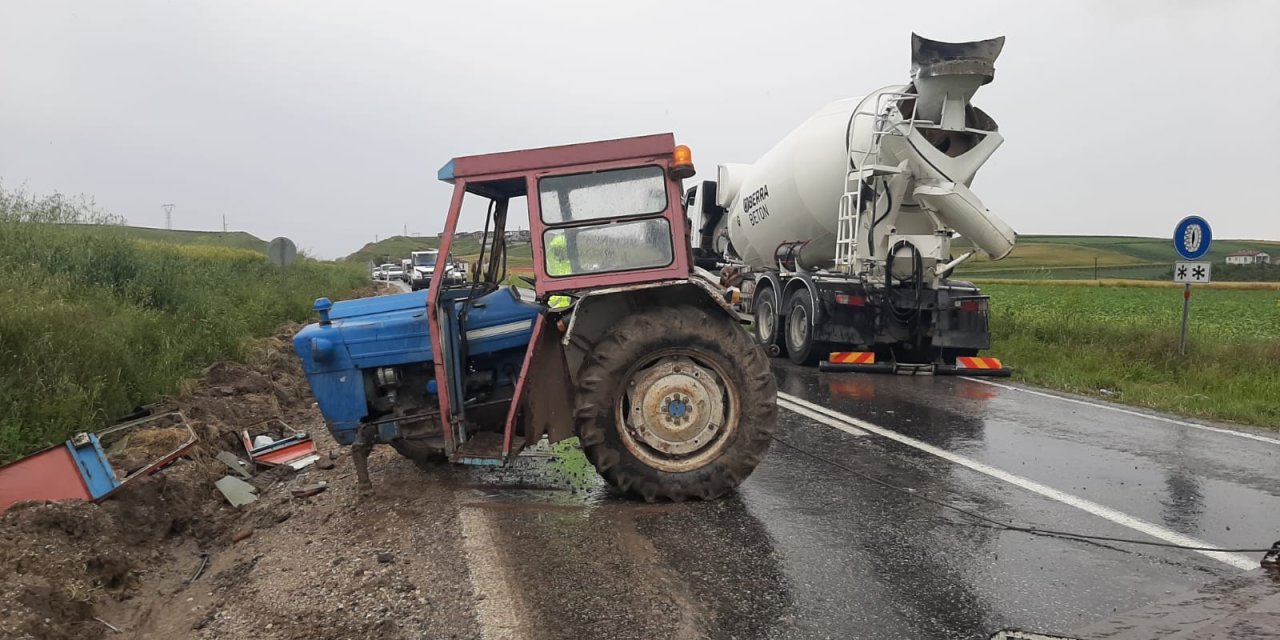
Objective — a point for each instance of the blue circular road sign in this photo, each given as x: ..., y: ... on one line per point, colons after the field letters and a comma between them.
x: 1191, y: 237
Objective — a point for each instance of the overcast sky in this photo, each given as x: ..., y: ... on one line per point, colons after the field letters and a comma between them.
x: 326, y: 122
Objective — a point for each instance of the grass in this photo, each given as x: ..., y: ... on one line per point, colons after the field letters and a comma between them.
x: 1073, y: 257
x: 94, y: 322
x: 231, y: 239
x: 1124, y: 339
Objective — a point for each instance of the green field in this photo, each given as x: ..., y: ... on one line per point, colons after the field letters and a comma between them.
x: 1073, y: 257
x: 1125, y: 340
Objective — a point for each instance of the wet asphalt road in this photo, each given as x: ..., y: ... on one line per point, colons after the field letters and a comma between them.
x: 808, y: 550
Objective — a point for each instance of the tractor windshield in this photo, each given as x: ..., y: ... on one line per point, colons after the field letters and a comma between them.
x: 584, y: 234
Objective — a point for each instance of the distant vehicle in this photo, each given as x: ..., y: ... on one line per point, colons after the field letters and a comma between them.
x: 424, y: 268
x: 392, y: 272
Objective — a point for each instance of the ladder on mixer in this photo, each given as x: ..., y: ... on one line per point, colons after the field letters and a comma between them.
x: 868, y: 171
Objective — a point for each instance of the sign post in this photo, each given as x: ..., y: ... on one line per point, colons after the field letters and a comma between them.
x: 1191, y: 239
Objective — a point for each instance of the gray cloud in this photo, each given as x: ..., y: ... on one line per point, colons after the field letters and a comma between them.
x: 326, y: 122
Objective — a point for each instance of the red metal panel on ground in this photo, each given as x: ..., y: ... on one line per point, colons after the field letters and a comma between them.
x: 660, y: 145
x: 51, y: 474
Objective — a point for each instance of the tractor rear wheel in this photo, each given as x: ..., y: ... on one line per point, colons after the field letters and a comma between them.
x: 676, y: 403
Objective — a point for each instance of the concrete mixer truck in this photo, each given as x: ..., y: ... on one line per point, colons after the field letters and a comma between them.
x: 839, y: 242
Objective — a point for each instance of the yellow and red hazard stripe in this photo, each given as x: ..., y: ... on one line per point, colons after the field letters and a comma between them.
x: 966, y: 362
x: 852, y: 357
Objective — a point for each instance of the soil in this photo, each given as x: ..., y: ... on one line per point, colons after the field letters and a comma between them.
x: 338, y: 564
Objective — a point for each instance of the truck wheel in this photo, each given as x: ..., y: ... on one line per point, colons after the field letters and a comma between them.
x: 675, y: 404
x: 801, y: 346
x: 767, y: 322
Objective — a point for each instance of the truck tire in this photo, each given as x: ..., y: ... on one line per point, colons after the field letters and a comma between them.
x: 675, y: 404
x: 801, y: 346
x: 767, y: 321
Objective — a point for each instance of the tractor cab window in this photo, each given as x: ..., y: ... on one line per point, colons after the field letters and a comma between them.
x: 605, y: 221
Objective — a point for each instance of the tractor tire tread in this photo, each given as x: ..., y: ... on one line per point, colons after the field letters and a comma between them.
x: 600, y: 381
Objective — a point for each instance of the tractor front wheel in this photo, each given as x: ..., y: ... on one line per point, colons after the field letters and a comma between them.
x: 675, y: 404
x: 426, y: 453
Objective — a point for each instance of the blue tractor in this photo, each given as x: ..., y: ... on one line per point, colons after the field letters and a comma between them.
x: 622, y: 341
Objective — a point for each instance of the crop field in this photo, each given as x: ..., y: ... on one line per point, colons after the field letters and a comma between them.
x: 1121, y: 342
x: 1087, y: 257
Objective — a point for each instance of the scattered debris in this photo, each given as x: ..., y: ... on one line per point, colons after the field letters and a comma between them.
x: 310, y: 490
x: 243, y: 533
x: 325, y: 463
x: 107, y: 624
x: 52, y: 583
x: 238, y: 492
x: 273, y: 443
x: 92, y: 466
x: 204, y: 562
x: 233, y: 462
x: 385, y: 557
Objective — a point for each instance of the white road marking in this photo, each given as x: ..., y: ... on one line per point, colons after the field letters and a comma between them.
x: 1099, y: 405
x: 497, y: 612
x: 818, y: 417
x: 1107, y: 513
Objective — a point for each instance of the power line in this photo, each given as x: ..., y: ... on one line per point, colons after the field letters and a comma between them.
x: 168, y: 216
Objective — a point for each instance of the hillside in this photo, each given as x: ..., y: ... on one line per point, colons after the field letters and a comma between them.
x: 398, y: 247
x: 232, y: 239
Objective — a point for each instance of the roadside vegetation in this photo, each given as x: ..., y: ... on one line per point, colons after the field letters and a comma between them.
x: 1121, y: 343
x: 94, y: 322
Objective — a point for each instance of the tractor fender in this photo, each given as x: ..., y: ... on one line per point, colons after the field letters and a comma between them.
x: 598, y: 310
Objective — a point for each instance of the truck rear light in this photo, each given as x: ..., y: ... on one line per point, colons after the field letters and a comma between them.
x: 973, y: 306
x: 855, y: 301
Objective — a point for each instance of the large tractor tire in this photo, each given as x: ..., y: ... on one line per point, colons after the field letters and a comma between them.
x: 676, y: 403
x: 802, y: 348
x: 767, y: 322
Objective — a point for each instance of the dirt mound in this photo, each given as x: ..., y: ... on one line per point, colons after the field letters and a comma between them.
x: 59, y: 561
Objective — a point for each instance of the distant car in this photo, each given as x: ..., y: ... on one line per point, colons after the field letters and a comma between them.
x: 393, y: 272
